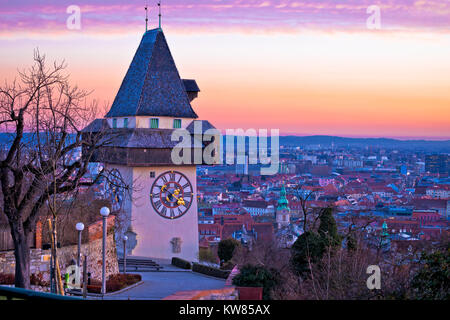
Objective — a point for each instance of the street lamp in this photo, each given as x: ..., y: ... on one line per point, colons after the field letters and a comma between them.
x: 105, y: 213
x: 125, y: 238
x: 80, y: 227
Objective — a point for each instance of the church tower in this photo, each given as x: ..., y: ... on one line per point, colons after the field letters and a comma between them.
x: 283, y: 211
x: 160, y: 215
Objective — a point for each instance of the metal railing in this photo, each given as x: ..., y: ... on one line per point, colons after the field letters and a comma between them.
x: 11, y: 293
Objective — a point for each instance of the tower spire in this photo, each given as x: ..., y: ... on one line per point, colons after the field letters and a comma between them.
x: 159, y: 6
x: 146, y: 15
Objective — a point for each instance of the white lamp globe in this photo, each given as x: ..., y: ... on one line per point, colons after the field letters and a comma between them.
x: 125, y: 238
x: 104, y: 211
x: 79, y: 226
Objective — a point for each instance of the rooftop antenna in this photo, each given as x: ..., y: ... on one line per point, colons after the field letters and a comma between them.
x: 146, y: 16
x: 159, y: 6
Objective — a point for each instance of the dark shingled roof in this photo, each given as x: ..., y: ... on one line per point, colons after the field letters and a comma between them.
x: 206, y: 125
x: 143, y: 138
x: 191, y: 85
x: 97, y: 125
x: 133, y: 137
x: 152, y: 85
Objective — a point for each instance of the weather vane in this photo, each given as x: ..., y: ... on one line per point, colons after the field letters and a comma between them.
x: 159, y: 6
x: 146, y: 15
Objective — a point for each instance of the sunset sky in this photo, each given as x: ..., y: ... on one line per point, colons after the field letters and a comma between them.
x: 304, y: 67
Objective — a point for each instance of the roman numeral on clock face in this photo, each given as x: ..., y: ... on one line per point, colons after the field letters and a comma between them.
x: 171, y: 195
x: 158, y: 204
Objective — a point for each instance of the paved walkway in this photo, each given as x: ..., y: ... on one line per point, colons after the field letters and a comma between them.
x: 158, y: 285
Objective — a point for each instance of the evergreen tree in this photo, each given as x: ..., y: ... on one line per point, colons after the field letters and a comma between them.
x: 307, y: 247
x: 351, y: 243
x: 226, y: 249
x: 258, y: 276
x: 432, y: 280
x: 328, y: 229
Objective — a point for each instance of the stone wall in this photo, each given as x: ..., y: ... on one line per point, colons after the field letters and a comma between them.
x: 40, y: 259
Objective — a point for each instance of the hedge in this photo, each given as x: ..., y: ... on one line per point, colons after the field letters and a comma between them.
x: 180, y: 263
x: 36, y: 280
x: 115, y: 282
x: 210, y: 271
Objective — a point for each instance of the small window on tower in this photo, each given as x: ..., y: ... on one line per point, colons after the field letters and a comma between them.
x: 152, y: 174
x: 125, y: 123
x: 154, y: 123
x: 114, y: 123
x: 176, y: 123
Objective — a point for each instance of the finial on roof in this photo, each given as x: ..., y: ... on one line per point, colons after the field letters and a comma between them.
x: 159, y: 6
x: 146, y: 16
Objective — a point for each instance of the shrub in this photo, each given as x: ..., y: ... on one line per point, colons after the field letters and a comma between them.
x: 226, y: 249
x: 210, y: 271
x: 207, y: 255
x: 258, y: 276
x: 119, y: 281
x: 307, y: 247
x: 6, y: 278
x: 432, y: 280
x: 38, y: 280
x: 35, y: 279
x: 115, y: 282
x: 227, y: 266
x: 328, y: 229
x: 180, y: 263
x: 94, y: 288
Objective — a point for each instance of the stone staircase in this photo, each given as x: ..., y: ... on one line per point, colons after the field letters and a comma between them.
x: 139, y: 265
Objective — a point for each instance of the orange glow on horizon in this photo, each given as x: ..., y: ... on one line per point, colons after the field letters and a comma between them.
x: 348, y: 84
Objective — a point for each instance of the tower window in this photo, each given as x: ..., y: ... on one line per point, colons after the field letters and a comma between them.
x: 125, y: 123
x: 114, y: 123
x: 154, y: 123
x: 176, y: 123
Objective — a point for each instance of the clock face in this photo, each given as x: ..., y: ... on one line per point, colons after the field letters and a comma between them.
x: 114, y: 189
x: 171, y: 194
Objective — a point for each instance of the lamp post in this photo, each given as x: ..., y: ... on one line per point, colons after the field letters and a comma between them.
x: 105, y: 213
x: 80, y: 227
x: 125, y: 238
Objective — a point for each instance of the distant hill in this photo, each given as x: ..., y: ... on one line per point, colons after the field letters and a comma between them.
x: 442, y: 146
x: 419, y: 145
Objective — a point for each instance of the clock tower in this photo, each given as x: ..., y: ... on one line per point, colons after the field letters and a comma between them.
x: 159, y: 215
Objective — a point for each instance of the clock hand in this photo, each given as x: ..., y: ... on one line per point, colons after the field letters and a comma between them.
x: 180, y: 200
x: 176, y: 191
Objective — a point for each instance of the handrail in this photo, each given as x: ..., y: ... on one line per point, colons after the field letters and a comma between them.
x: 12, y: 292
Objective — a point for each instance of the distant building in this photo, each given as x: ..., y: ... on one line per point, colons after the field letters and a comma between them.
x: 242, y: 168
x: 437, y: 163
x: 256, y: 207
x: 403, y: 169
x: 438, y: 192
x: 283, y: 210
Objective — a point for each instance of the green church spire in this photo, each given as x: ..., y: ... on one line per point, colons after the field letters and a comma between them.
x: 384, y: 232
x: 283, y: 202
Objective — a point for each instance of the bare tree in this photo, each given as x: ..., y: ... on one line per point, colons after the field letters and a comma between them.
x: 44, y: 116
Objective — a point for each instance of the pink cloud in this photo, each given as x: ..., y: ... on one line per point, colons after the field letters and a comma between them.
x: 257, y: 15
